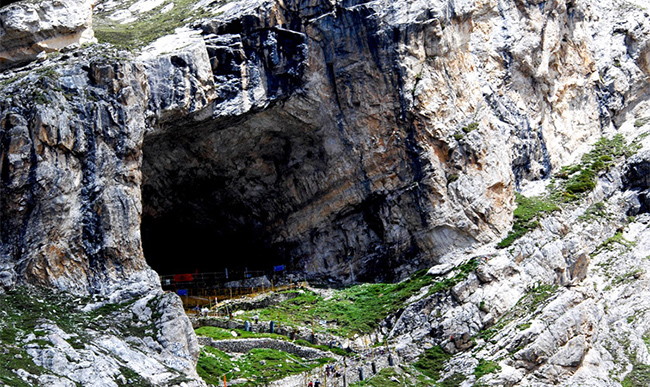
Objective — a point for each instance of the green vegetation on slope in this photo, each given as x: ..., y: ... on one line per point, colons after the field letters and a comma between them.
x: 14, y: 358
x: 432, y: 362
x: 25, y: 313
x: 358, y: 308
x: 392, y: 377
x: 454, y: 380
x: 612, y: 242
x: 638, y: 377
x: 259, y: 366
x: 462, y: 272
x: 485, y: 367
x: 573, y: 181
x: 526, y: 216
x: 148, y: 26
x: 581, y: 178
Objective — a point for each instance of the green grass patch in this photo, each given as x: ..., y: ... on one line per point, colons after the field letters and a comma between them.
x: 213, y: 364
x: 131, y: 379
x: 148, y: 26
x: 454, y: 380
x: 524, y: 326
x: 628, y: 277
x: 641, y: 121
x: 452, y: 178
x: 485, y: 367
x: 526, y: 216
x: 537, y: 295
x: 325, y: 348
x: 357, y: 309
x: 432, y: 362
x: 404, y: 376
x: 259, y: 366
x: 612, y: 242
x: 462, y: 272
x: 13, y: 358
x: 471, y: 127
x: 27, y: 312
x: 578, y: 179
x: 638, y: 377
x: 596, y: 211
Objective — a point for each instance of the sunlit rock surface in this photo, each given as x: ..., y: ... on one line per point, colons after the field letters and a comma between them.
x: 30, y: 28
x: 348, y: 140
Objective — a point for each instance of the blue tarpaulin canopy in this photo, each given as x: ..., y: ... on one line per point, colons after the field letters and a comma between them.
x: 181, y: 292
x: 278, y: 268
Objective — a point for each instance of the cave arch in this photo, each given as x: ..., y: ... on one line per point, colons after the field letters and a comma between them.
x: 217, y: 194
x: 4, y: 3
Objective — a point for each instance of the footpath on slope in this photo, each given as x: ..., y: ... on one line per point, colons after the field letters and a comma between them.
x: 345, y: 371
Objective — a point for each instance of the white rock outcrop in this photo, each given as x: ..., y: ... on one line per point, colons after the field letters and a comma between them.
x: 28, y: 28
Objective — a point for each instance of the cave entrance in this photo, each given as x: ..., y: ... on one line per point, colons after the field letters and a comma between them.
x: 177, y: 244
x: 218, y: 195
x: 7, y: 2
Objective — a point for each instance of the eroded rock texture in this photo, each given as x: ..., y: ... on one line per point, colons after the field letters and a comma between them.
x: 72, y: 139
x: 28, y: 29
x: 351, y: 140
x: 362, y: 140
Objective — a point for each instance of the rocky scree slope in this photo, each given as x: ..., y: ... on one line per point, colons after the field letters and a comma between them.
x: 563, y: 305
x: 357, y: 140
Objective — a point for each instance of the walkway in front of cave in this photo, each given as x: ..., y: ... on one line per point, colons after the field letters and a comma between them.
x: 205, y: 290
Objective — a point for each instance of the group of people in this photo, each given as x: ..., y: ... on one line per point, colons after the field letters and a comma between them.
x: 203, y: 312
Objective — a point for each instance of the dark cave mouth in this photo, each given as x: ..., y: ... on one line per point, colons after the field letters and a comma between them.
x: 217, y: 194
x: 196, y: 225
x: 175, y: 246
x: 4, y: 3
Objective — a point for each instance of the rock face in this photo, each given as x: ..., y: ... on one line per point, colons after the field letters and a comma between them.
x: 347, y: 139
x: 72, y: 139
x: 135, y: 336
x: 28, y: 29
x: 362, y: 140
x: 352, y: 141
x: 565, y: 305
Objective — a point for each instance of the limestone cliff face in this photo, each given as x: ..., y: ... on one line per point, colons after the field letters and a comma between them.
x: 565, y: 305
x: 352, y: 140
x: 32, y: 28
x: 362, y: 140
x: 72, y: 139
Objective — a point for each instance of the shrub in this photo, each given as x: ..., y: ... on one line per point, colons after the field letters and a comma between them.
x: 471, y: 127
x: 581, y: 178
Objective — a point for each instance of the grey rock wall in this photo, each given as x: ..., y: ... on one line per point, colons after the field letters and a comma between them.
x: 30, y: 29
x: 347, y: 140
x: 363, y: 140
